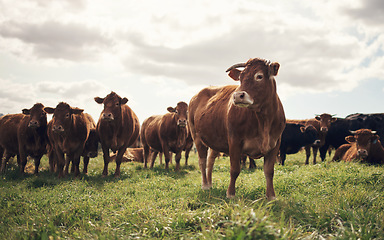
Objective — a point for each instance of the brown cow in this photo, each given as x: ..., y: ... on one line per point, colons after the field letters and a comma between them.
x: 321, y: 123
x: 118, y: 128
x: 246, y: 119
x: 68, y: 132
x: 165, y: 133
x: 364, y: 145
x: 131, y: 155
x: 24, y: 135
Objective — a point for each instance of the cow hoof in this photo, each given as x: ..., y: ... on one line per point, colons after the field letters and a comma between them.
x: 230, y: 196
x: 206, y: 187
x: 272, y: 198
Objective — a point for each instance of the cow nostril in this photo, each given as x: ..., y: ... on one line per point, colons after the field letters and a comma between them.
x: 242, y: 95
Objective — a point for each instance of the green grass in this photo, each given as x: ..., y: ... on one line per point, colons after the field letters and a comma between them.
x: 323, y: 201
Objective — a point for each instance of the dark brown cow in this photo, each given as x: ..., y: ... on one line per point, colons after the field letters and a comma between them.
x: 24, y: 135
x: 118, y: 128
x: 247, y: 119
x: 363, y: 145
x: 321, y: 123
x: 68, y: 133
x: 165, y: 133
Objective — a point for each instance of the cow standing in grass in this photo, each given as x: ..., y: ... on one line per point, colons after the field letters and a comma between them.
x: 118, y: 128
x: 24, y: 135
x: 241, y: 119
x: 69, y: 130
x: 165, y: 133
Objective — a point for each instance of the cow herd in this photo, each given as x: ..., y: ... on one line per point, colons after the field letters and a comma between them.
x: 239, y: 120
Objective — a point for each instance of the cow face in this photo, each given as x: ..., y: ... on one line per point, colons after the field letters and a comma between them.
x: 363, y: 138
x: 256, y: 82
x: 38, y: 117
x: 181, y: 113
x: 112, y: 106
x: 311, y: 135
x: 325, y: 120
x: 62, y: 116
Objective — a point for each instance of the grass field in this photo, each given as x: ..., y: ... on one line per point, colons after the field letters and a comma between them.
x: 323, y: 201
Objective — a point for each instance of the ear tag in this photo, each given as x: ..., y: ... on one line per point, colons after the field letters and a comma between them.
x: 374, y: 141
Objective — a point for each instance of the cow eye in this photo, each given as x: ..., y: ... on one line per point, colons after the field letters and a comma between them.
x: 117, y: 104
x: 176, y: 111
x: 67, y: 115
x: 258, y: 76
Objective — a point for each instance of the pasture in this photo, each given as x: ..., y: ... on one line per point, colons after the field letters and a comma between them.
x: 322, y: 201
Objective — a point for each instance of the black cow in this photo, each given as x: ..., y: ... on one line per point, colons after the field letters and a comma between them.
x: 295, y: 136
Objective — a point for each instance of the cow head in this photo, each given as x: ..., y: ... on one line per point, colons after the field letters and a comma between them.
x: 256, y: 82
x: 112, y: 106
x: 325, y: 120
x: 181, y: 113
x: 38, y: 117
x: 62, y: 116
x: 311, y: 135
x: 363, y: 138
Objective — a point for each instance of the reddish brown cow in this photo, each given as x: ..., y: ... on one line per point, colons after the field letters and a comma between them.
x: 247, y: 119
x: 165, y: 133
x: 321, y: 123
x: 118, y: 128
x: 131, y: 155
x: 68, y: 132
x: 363, y: 145
x: 24, y: 135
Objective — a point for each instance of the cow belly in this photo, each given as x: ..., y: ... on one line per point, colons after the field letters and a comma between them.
x: 258, y: 146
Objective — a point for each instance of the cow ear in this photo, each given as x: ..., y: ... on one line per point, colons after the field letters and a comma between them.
x: 171, y: 109
x: 49, y: 110
x: 99, y: 100
x: 274, y: 68
x: 26, y: 111
x: 333, y: 119
x: 124, y: 101
x: 235, y: 74
x: 302, y: 129
x: 350, y: 139
x: 318, y: 118
x: 76, y: 110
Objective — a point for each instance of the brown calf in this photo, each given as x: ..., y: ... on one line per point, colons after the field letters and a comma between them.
x: 118, y: 128
x: 68, y: 133
x: 363, y: 145
x: 246, y: 119
x: 165, y: 133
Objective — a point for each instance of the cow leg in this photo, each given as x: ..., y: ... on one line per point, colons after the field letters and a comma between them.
x: 67, y: 162
x: 177, y: 160
x: 153, y: 158
x: 308, y: 154
x: 146, y: 154
x: 119, y: 157
x: 212, y: 155
x: 161, y: 158
x: 86, y: 162
x: 60, y: 162
x: 252, y: 163
x: 235, y: 159
x: 323, y: 151
x: 37, y: 164
x: 167, y: 156
x: 52, y: 161
x: 283, y: 156
x: 202, y: 152
x: 315, y: 149
x: 269, y: 163
x: 106, y: 159
x: 187, y: 156
x: 76, y: 164
x: 22, y: 160
x: 5, y: 162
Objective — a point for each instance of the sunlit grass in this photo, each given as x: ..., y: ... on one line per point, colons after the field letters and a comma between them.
x: 326, y: 200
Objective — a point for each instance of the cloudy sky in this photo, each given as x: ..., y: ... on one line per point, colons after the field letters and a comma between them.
x: 157, y: 53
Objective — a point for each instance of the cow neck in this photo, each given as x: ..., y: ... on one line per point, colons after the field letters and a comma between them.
x: 181, y: 132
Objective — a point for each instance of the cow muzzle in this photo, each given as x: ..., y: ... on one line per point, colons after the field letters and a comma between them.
x: 58, y: 128
x: 324, y: 129
x: 182, y: 122
x: 362, y: 153
x: 316, y: 142
x: 107, y: 117
x: 242, y: 99
x: 33, y: 124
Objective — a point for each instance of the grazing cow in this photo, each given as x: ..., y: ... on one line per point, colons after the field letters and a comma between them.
x: 295, y: 136
x: 321, y: 123
x: 364, y: 145
x: 165, y: 133
x: 246, y: 119
x: 118, y: 128
x: 131, y: 155
x: 68, y: 133
x: 24, y: 135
